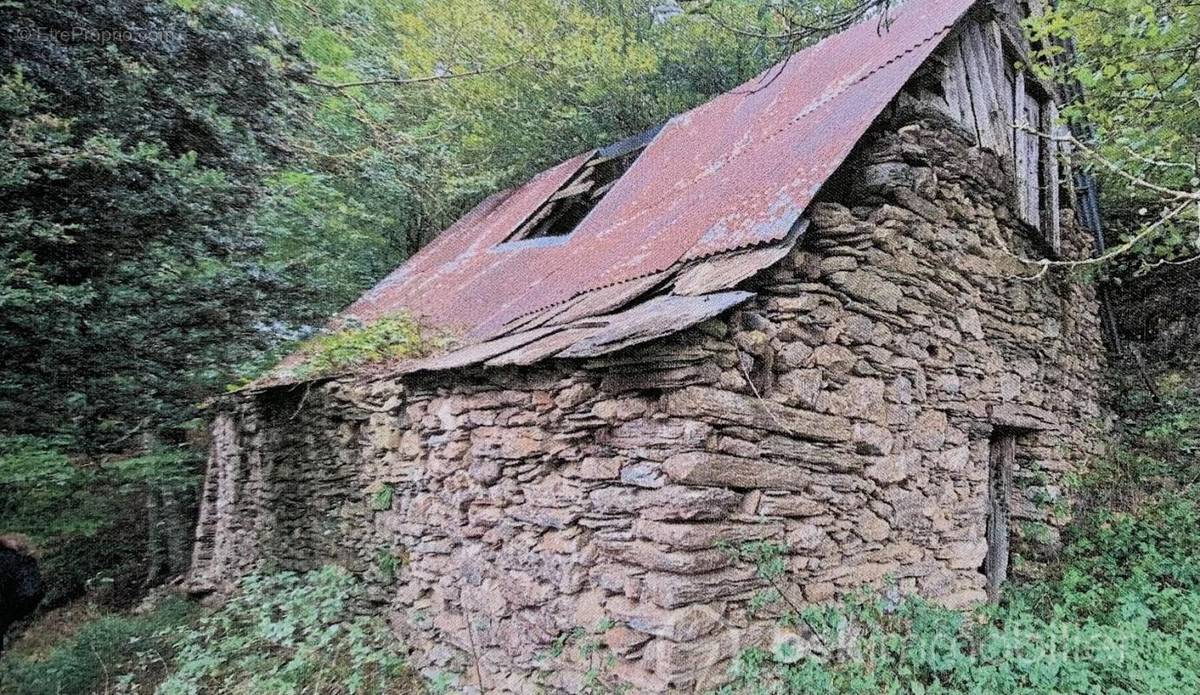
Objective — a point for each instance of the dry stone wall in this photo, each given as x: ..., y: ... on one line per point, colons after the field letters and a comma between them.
x: 525, y: 526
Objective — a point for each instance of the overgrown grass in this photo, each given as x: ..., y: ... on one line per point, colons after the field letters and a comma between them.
x: 115, y: 653
x: 1123, y: 616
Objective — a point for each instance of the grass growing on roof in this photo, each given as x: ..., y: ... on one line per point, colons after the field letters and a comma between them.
x: 394, y: 337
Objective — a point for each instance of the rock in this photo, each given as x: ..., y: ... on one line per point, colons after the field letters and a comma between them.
x: 799, y: 388
x: 508, y: 442
x: 722, y: 406
x: 789, y: 506
x: 882, y: 178
x: 643, y: 474
x: 703, y: 536
x: 869, y: 288
x: 681, y: 625
x: 969, y: 323
x: 807, y: 536
x: 889, y: 470
x: 668, y: 503
x: 700, y: 468
x: 674, y: 591
x: 795, y: 355
x: 872, y: 440
x: 597, y: 468
x: 871, y: 528
x: 574, y: 396
x: 929, y: 431
x: 651, y: 557
x: 860, y: 398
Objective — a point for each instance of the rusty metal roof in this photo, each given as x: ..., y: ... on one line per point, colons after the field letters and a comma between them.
x: 734, y: 173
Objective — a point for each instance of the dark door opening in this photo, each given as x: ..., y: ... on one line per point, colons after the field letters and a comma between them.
x: 1000, y: 473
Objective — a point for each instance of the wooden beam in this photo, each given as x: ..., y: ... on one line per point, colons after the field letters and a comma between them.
x: 1051, y: 177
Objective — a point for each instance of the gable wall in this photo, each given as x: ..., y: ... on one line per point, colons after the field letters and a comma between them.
x: 844, y: 415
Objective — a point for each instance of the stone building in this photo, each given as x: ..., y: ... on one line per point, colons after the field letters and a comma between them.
x: 797, y: 315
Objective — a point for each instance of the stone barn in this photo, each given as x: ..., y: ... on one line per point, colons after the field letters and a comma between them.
x: 800, y: 314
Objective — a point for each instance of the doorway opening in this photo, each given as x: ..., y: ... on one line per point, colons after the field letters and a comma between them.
x: 999, y: 514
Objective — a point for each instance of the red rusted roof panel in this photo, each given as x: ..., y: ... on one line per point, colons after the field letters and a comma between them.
x: 733, y: 173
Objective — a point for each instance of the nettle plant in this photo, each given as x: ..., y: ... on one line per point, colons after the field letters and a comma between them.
x: 291, y: 632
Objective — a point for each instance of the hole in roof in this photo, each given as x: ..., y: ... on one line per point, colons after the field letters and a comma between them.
x: 562, y: 212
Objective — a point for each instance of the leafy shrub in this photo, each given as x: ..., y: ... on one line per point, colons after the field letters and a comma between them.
x: 290, y: 633
x: 106, y: 655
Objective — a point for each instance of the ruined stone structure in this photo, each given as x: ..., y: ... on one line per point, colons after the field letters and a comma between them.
x: 882, y: 395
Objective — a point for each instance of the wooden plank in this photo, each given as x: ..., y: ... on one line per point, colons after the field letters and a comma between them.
x: 573, y: 190
x: 1032, y: 212
x: 603, y: 189
x: 1051, y: 177
x: 534, y: 220
x: 983, y: 78
x: 998, y: 69
x: 1008, y: 110
x: 954, y: 86
x: 1023, y: 164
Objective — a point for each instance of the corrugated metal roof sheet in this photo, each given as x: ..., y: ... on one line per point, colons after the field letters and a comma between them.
x: 735, y: 172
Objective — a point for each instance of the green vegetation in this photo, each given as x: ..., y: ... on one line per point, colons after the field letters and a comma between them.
x: 1136, y: 59
x: 288, y: 633
x: 132, y: 158
x: 188, y: 188
x: 280, y: 633
x: 1118, y: 613
x: 391, y: 338
x: 89, y: 518
x: 116, y: 653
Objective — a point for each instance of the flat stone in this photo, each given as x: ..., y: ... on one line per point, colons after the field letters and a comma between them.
x: 673, y: 590
x: 929, y: 430
x: 871, y: 528
x: 703, y: 536
x: 869, y: 288
x: 681, y: 625
x: 724, y: 406
x: 574, y: 396
x: 669, y: 503
x: 872, y: 440
x: 701, y: 468
x: 649, y: 556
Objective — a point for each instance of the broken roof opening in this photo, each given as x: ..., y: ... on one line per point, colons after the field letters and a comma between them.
x: 562, y: 212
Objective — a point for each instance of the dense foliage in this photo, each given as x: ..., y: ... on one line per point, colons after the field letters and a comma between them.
x: 1123, y: 617
x: 94, y: 521
x: 290, y: 633
x: 135, y: 140
x: 279, y: 633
